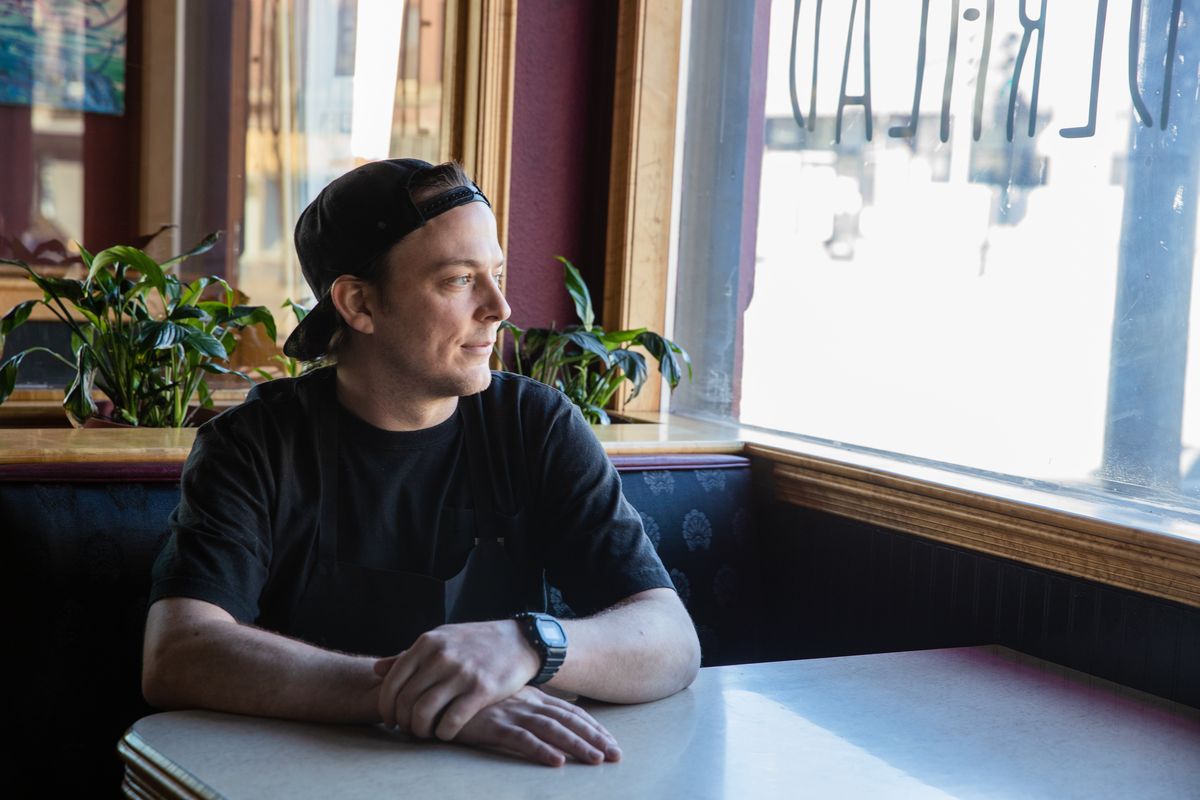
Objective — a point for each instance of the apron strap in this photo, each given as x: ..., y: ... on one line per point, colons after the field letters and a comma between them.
x: 479, y: 462
x: 327, y: 453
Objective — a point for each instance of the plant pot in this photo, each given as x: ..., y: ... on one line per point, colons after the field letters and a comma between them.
x: 104, y: 409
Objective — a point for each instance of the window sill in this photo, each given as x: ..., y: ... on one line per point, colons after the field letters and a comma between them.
x: 1141, y: 548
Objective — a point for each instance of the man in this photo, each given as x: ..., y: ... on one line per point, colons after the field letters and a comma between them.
x: 364, y: 543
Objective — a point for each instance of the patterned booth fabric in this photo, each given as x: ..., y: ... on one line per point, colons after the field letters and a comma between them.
x: 696, y: 510
x: 80, y: 549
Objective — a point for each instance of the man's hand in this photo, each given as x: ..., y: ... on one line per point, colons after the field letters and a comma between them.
x: 452, y: 672
x: 536, y: 726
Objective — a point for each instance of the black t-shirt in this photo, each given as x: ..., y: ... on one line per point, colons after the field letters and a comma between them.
x: 244, y: 534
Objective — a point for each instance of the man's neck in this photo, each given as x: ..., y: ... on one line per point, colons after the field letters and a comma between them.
x: 388, y: 404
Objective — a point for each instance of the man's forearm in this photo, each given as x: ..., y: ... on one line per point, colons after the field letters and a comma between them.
x: 643, y: 650
x: 226, y: 666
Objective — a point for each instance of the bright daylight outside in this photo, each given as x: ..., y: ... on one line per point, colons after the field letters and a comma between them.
x: 332, y: 85
x: 1004, y: 301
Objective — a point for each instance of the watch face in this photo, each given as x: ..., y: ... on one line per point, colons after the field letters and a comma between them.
x: 552, y: 632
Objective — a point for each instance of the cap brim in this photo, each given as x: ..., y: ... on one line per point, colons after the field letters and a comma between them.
x: 310, y: 340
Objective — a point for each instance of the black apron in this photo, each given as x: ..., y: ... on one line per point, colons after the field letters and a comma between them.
x: 361, y: 609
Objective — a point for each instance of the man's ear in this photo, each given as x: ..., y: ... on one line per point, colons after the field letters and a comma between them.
x: 352, y: 298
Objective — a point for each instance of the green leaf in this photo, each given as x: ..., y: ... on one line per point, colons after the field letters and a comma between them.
x: 121, y: 254
x: 590, y: 343
x: 614, y: 338
x: 15, y: 262
x: 203, y: 246
x: 633, y: 365
x: 243, y: 316
x: 217, y: 368
x: 186, y: 312
x: 205, y: 394
x: 595, y: 414
x: 214, y: 310
x: 579, y: 293
x: 661, y: 349
x: 205, y: 343
x: 62, y: 288
x: 683, y: 354
x: 534, y: 339
x: 91, y: 317
x: 17, y: 315
x: 85, y: 255
x: 8, y: 374
x: 78, y: 400
x: 194, y: 290
x: 300, y: 311
x: 162, y: 334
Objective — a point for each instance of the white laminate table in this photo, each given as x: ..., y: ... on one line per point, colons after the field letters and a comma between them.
x: 966, y: 722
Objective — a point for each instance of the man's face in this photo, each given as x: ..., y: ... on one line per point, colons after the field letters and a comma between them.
x: 439, y: 304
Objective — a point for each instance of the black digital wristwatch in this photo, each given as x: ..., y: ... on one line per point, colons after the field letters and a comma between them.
x: 548, y: 638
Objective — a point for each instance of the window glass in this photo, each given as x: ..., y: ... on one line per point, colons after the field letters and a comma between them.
x: 954, y: 230
x: 332, y: 84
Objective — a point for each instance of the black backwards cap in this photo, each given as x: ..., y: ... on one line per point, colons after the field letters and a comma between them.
x: 353, y: 221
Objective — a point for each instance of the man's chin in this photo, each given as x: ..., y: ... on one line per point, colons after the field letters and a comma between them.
x: 478, y: 382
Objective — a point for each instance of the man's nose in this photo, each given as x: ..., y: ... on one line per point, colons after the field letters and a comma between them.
x: 496, y: 305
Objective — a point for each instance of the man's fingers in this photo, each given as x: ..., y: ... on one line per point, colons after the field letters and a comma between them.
x: 383, y: 665
x: 525, y: 744
x: 401, y: 670
x: 423, y: 681
x: 608, y: 742
x: 427, y: 710
x: 584, y: 726
x: 459, y: 713
x: 554, y: 733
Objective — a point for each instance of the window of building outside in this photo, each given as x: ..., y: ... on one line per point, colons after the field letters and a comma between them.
x: 331, y: 84
x: 956, y: 231
x: 276, y: 98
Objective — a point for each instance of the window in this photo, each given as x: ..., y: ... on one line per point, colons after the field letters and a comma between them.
x: 329, y: 85
x: 958, y: 231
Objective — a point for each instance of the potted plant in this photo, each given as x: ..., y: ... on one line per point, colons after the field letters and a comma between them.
x: 139, y: 333
x: 587, y: 363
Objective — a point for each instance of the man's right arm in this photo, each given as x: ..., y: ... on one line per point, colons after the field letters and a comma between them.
x: 196, y: 655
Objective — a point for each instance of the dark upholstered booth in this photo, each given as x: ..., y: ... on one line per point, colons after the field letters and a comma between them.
x: 81, y: 540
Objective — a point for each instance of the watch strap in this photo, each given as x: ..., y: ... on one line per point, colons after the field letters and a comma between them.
x: 552, y: 656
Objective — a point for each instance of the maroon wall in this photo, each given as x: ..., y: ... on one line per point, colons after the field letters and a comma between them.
x: 562, y: 133
x: 112, y: 156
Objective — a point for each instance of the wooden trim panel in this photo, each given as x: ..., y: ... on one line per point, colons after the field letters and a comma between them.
x: 640, y: 177
x: 481, y: 92
x: 1113, y: 554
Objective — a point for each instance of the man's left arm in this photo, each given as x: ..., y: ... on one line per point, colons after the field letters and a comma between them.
x: 640, y: 649
x: 643, y: 648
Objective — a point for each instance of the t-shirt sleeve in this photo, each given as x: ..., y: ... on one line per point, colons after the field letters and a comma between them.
x: 219, y: 545
x: 597, y: 550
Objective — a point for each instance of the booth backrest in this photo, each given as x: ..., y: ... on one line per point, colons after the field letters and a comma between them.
x: 80, y: 548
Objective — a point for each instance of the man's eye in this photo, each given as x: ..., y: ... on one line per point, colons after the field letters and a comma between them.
x: 461, y: 280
